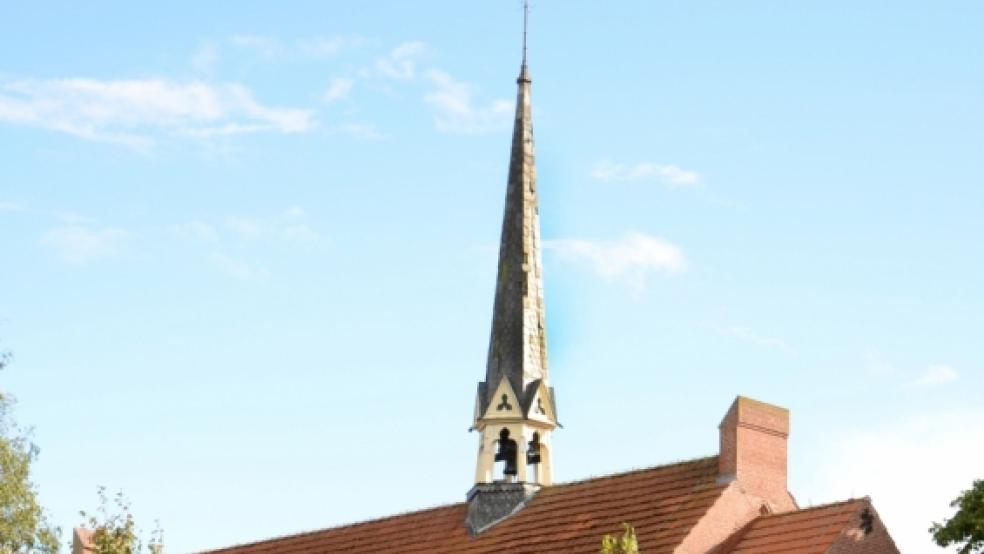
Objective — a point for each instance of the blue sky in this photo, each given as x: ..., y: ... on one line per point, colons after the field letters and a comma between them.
x: 249, y: 254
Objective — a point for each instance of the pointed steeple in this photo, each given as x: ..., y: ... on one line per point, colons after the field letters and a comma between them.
x: 517, y: 345
x: 515, y: 412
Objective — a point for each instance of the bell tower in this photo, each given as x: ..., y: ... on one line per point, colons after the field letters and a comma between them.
x: 515, y: 412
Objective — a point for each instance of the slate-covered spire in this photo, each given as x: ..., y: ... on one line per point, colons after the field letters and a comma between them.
x: 515, y: 413
x: 517, y: 346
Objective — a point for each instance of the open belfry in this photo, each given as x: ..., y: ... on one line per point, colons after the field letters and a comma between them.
x: 735, y: 501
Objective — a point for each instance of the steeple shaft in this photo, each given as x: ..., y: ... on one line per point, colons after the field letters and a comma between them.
x: 517, y: 346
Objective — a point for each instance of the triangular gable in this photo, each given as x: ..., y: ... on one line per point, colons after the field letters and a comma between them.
x: 504, y: 404
x: 850, y: 526
x: 541, y: 406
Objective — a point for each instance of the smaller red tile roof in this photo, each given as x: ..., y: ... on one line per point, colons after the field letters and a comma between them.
x: 807, y: 531
x: 662, y: 503
x: 82, y: 540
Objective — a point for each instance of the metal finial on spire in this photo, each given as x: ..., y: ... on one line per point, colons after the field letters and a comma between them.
x: 526, y: 24
x: 524, y: 72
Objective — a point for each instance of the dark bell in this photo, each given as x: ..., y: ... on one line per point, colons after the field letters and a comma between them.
x: 533, y: 450
x: 507, y: 453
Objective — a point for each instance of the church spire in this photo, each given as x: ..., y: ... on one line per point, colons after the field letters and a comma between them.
x: 517, y: 345
x: 514, y: 409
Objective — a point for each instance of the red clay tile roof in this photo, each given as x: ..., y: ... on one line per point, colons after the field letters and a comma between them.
x: 807, y: 531
x: 662, y: 503
x: 82, y: 540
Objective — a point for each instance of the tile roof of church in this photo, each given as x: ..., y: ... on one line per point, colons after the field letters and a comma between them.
x: 662, y: 503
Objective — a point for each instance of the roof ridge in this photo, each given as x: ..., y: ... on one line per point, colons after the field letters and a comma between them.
x: 632, y: 471
x: 334, y: 527
x: 817, y: 507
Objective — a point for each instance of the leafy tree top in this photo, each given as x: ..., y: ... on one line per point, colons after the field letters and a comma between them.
x: 966, y: 527
x: 23, y: 525
x: 625, y: 543
x: 114, y: 530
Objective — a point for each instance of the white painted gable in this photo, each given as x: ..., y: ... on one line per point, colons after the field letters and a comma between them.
x: 504, y: 404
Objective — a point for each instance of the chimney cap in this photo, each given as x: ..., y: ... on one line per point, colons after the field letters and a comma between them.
x: 751, y: 413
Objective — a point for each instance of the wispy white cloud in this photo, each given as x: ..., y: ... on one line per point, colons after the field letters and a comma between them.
x: 876, y: 364
x: 630, y: 259
x: 79, y: 244
x: 401, y: 61
x: 205, y: 57
x: 265, y: 47
x: 197, y: 231
x: 323, y: 47
x: 455, y: 108
x: 298, y: 232
x: 291, y: 225
x: 749, y: 336
x: 294, y: 212
x: 248, y: 228
x: 237, y: 244
x: 911, y: 468
x: 135, y: 112
x: 72, y: 218
x: 931, y: 376
x: 669, y: 175
x: 359, y: 130
x: 80, y: 240
x: 239, y: 268
x: 338, y: 89
x: 935, y: 374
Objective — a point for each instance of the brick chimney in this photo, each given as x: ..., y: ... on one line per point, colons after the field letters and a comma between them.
x: 753, y: 451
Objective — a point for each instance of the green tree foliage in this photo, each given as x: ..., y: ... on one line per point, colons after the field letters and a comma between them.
x: 967, y: 525
x: 24, y: 527
x: 114, y: 531
x: 621, y: 544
